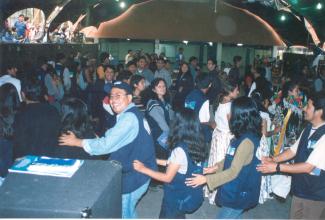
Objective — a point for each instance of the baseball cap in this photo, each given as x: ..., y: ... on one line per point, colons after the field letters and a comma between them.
x: 122, y: 85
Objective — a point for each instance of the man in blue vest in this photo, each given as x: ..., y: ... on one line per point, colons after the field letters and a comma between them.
x: 308, y: 169
x: 127, y: 141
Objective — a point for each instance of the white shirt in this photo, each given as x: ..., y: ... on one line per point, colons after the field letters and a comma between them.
x: 316, y: 158
x: 253, y: 87
x: 178, y: 156
x: 204, y: 113
x: 15, y: 82
x: 221, y: 116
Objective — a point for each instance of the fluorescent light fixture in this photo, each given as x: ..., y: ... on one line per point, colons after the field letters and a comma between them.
x: 240, y: 44
x: 319, y: 6
x: 122, y: 5
x: 185, y: 42
x: 128, y: 39
x: 210, y: 43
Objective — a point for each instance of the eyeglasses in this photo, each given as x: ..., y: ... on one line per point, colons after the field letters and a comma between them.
x: 117, y: 96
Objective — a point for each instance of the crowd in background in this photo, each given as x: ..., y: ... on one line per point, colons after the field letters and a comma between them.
x: 73, y: 94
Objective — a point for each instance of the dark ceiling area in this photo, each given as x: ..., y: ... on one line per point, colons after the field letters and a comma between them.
x: 292, y: 30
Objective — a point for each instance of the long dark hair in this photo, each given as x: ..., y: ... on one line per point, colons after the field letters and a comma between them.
x: 180, y: 68
x: 227, y: 88
x: 75, y: 118
x: 186, y: 128
x: 150, y: 94
x: 258, y: 98
x: 245, y: 117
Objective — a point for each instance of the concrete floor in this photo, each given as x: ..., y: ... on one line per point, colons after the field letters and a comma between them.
x: 149, y: 207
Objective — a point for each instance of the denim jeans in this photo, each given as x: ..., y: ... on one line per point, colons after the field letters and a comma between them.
x: 229, y: 213
x: 130, y: 200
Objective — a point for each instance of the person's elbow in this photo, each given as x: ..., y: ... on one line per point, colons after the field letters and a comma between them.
x: 168, y: 179
x: 308, y: 168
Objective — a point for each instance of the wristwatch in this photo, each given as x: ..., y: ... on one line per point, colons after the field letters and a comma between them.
x: 278, y: 168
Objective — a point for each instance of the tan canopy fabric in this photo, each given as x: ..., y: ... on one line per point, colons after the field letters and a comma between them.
x: 192, y: 21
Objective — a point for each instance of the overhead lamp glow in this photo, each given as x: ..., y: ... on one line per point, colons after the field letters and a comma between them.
x: 185, y: 42
x: 283, y: 18
x: 128, y: 39
x: 122, y: 4
x: 210, y: 43
x: 319, y: 6
x: 240, y: 44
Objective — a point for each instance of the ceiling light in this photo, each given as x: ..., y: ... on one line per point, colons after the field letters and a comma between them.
x: 283, y: 18
x: 122, y: 5
x: 185, y: 42
x: 210, y: 43
x: 319, y: 6
x: 240, y: 44
x: 128, y: 39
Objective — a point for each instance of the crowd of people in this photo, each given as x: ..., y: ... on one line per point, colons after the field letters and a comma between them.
x: 23, y: 31
x: 244, y: 137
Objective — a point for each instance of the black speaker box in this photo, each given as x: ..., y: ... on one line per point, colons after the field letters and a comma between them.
x: 93, y: 191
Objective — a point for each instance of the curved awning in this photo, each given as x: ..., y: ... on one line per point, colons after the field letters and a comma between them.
x: 192, y: 21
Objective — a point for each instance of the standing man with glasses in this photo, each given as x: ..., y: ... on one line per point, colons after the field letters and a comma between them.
x: 127, y: 141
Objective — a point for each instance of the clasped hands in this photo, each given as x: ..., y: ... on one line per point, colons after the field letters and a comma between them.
x: 267, y: 165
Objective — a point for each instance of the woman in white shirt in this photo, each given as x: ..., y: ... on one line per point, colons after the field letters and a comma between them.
x: 221, y: 135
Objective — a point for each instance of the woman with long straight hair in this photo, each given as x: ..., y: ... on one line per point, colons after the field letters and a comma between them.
x: 236, y: 178
x: 186, y: 143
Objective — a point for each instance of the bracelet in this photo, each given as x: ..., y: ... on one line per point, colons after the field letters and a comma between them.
x: 278, y: 169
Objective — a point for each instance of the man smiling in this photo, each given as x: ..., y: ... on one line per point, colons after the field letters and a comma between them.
x: 127, y: 141
x: 308, y: 169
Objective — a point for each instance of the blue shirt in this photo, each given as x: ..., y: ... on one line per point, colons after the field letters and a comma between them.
x: 20, y: 28
x: 123, y: 133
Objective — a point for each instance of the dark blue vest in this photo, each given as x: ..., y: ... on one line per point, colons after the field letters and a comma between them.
x: 305, y: 185
x: 186, y: 198
x: 142, y: 149
x: 194, y: 101
x: 155, y: 129
x: 243, y: 192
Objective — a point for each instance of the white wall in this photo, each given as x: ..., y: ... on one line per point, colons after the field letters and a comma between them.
x: 120, y: 49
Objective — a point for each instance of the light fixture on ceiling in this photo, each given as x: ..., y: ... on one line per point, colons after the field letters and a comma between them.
x: 319, y: 6
x: 185, y: 42
x: 122, y: 5
x: 210, y: 43
x: 240, y: 44
x: 283, y: 18
x: 128, y: 39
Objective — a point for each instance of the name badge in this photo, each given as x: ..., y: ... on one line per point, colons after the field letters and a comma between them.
x: 231, y: 151
x: 311, y: 144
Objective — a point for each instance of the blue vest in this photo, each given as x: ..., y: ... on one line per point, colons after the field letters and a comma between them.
x: 243, y: 192
x: 155, y: 129
x: 142, y: 149
x: 186, y: 198
x: 194, y: 101
x: 305, y: 185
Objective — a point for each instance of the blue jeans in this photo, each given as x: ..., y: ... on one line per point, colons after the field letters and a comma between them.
x: 229, y: 213
x: 130, y: 200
